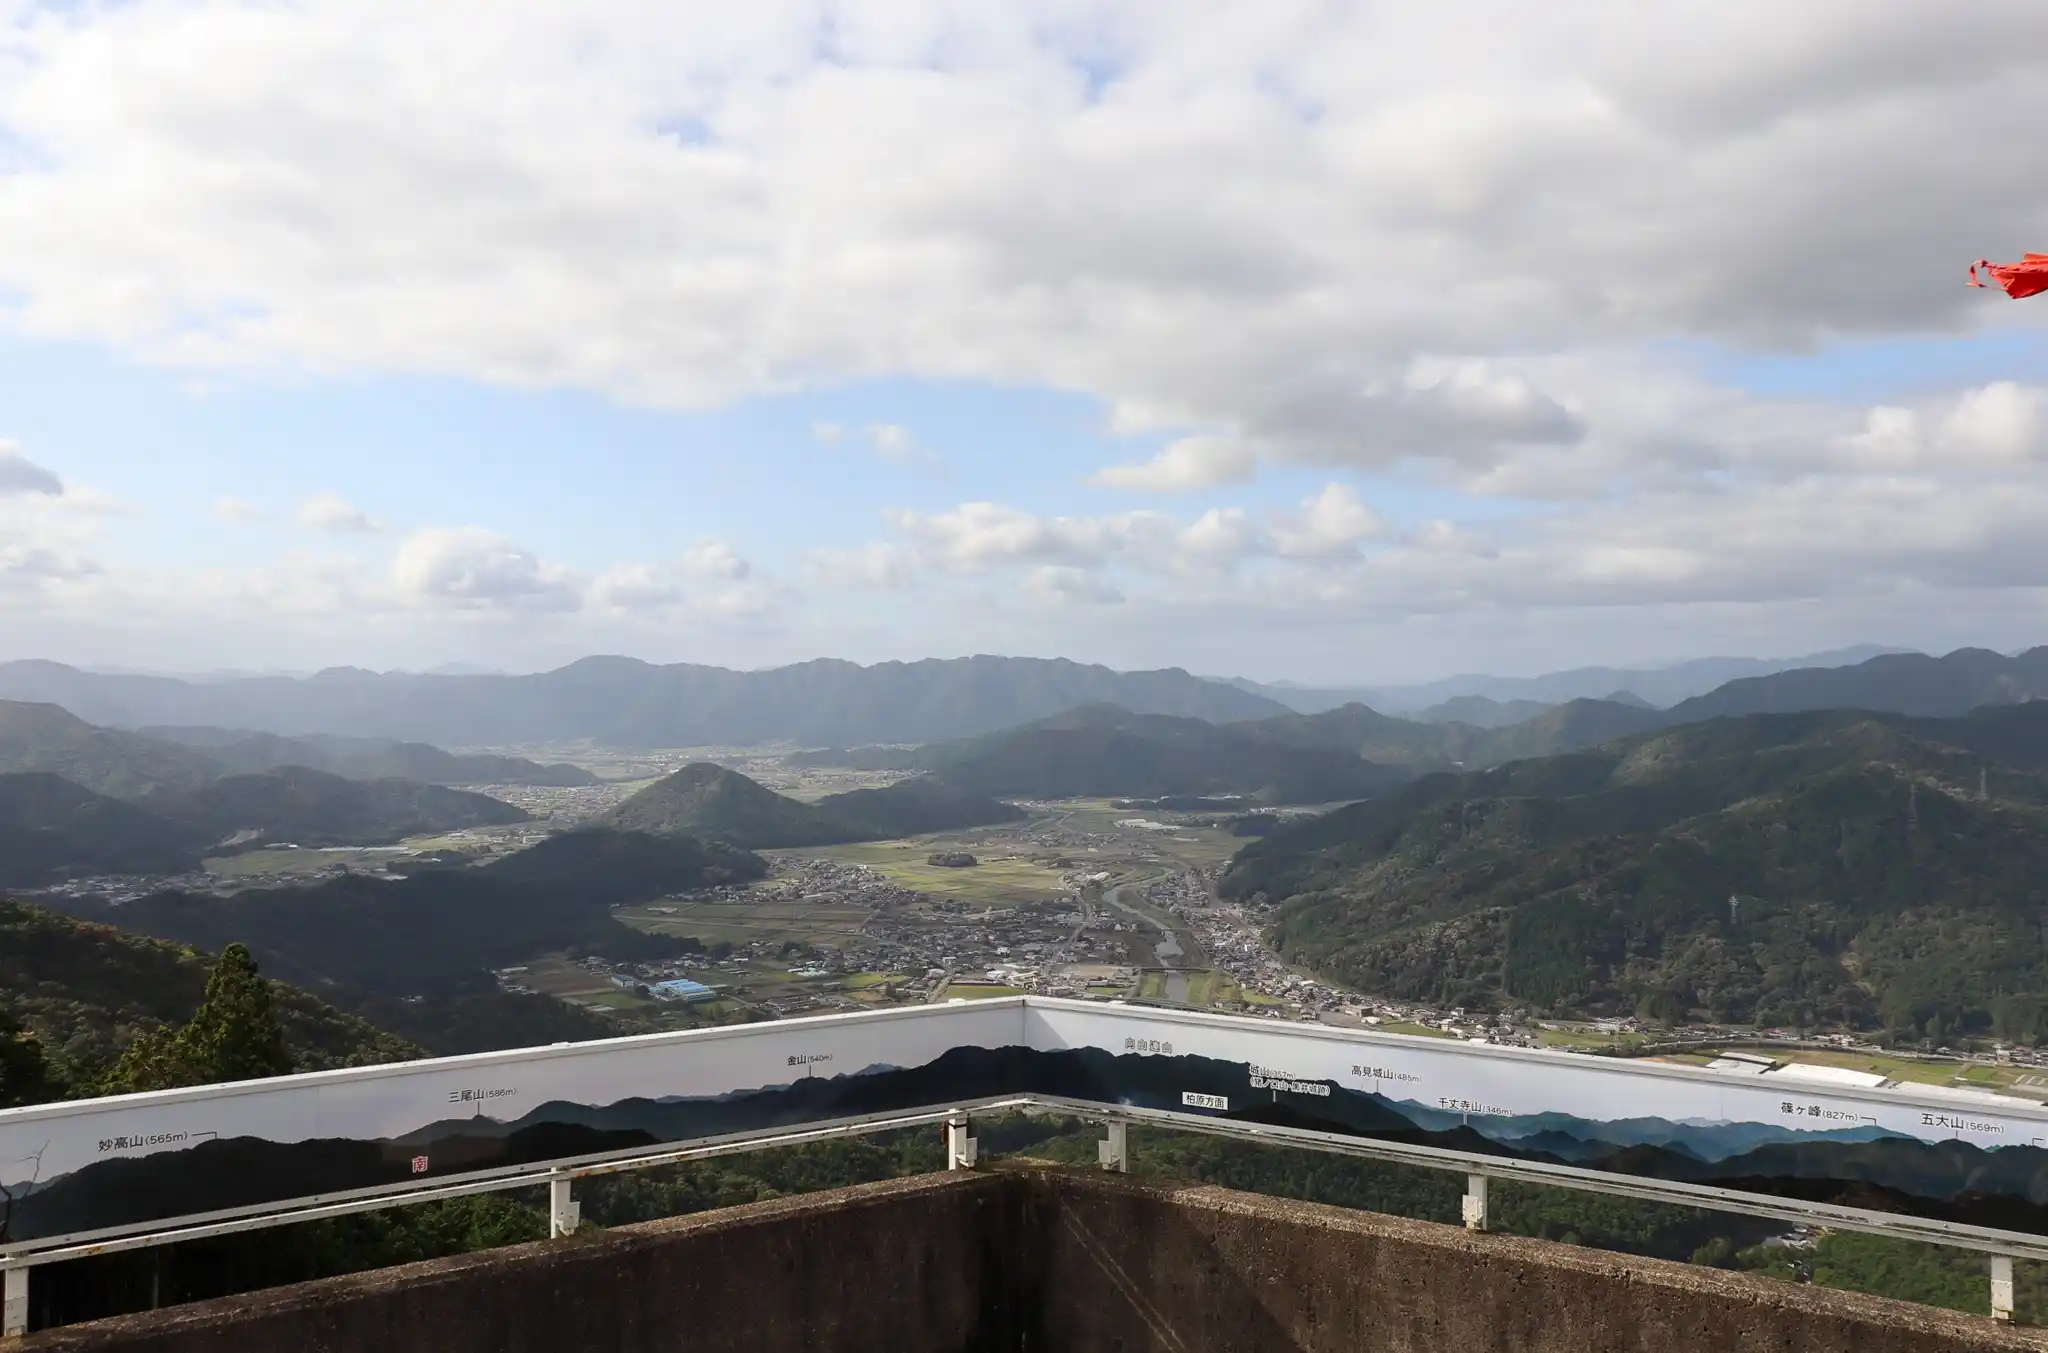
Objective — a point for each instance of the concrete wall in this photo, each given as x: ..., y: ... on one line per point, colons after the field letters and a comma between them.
x: 911, y: 1266
x: 1026, y: 1260
x: 1197, y: 1268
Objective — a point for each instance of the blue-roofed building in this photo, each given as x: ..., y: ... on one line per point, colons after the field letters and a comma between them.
x: 681, y: 989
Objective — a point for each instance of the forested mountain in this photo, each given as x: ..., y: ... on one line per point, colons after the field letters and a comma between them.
x: 1660, y: 686
x: 1109, y: 752
x: 439, y: 933
x: 51, y: 829
x: 1899, y: 683
x: 312, y: 808
x: 237, y: 751
x: 627, y: 703
x: 913, y: 807
x: 711, y: 801
x: 1480, y: 712
x: 44, y: 737
x: 1416, y: 746
x: 170, y: 761
x: 86, y: 990
x: 1822, y: 868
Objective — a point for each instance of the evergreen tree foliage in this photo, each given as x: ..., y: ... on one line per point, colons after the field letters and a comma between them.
x: 233, y: 1036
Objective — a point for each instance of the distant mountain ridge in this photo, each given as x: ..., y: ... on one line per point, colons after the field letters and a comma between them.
x: 1660, y: 686
x: 1897, y: 683
x: 47, y: 737
x: 1110, y: 752
x: 240, y: 751
x: 627, y: 703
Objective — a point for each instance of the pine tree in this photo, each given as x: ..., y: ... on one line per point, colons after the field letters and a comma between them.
x: 233, y: 1036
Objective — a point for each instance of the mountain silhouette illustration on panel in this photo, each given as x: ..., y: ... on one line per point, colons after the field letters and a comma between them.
x: 1861, y: 1165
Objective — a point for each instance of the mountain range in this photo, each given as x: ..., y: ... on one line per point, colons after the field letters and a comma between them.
x: 627, y: 703
x: 1834, y: 867
x: 1659, y: 686
x: 239, y: 751
x: 1106, y: 751
x: 130, y: 764
x: 712, y: 801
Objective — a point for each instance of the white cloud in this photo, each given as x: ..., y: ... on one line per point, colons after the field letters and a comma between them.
x: 1469, y: 245
x: 1247, y: 232
x: 889, y: 439
x: 980, y: 535
x: 636, y: 587
x: 1218, y: 539
x: 19, y: 474
x: 236, y: 510
x: 715, y: 559
x: 1334, y: 522
x: 332, y: 512
x: 1187, y: 463
x: 1058, y: 585
x: 879, y: 564
x: 1999, y: 426
x: 710, y: 579
x: 467, y: 566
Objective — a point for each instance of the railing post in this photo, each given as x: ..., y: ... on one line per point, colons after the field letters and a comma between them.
x: 2001, y: 1287
x: 564, y: 1212
x: 14, y: 1322
x: 960, y: 1145
x: 1114, y: 1150
x: 1475, y: 1202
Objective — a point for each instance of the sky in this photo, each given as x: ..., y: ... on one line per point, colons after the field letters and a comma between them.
x: 1328, y: 342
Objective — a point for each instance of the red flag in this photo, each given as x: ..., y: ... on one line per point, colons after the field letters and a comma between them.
x: 2028, y: 277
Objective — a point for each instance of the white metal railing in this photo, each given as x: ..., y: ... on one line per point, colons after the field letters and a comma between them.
x: 2002, y: 1247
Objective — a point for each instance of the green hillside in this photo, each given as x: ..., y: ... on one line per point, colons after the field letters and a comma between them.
x: 40, y: 737
x: 1104, y: 751
x: 313, y: 808
x: 913, y: 807
x: 439, y: 933
x: 708, y: 800
x: 86, y: 990
x: 51, y: 829
x: 711, y: 801
x: 242, y: 752
x: 1420, y: 746
x: 1811, y: 869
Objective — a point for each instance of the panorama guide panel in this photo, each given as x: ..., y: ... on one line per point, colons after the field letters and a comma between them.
x: 97, y: 1168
